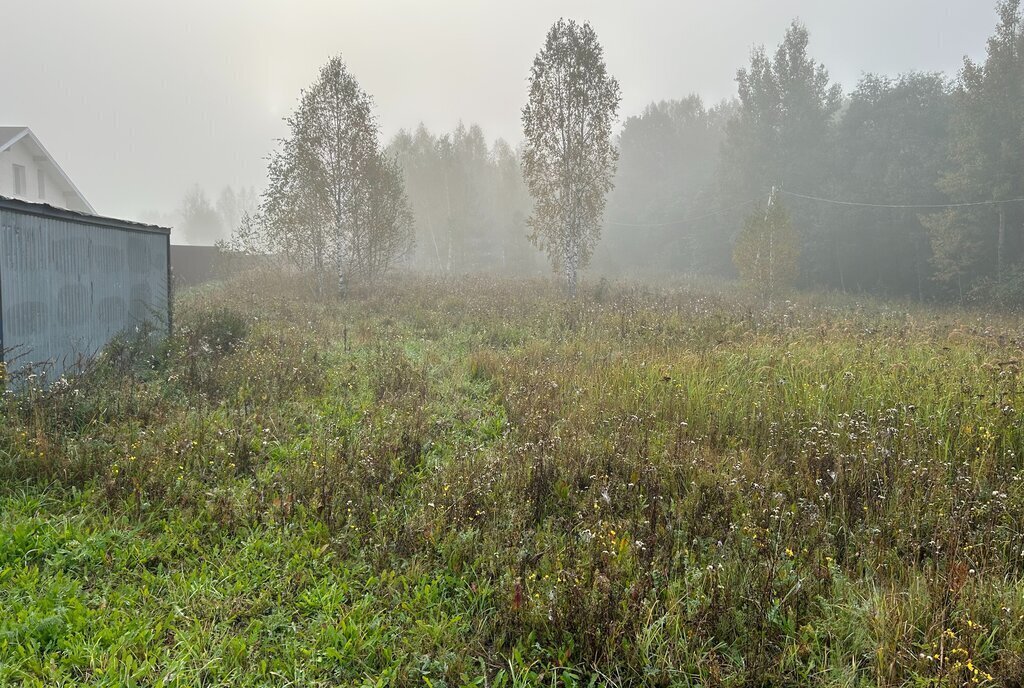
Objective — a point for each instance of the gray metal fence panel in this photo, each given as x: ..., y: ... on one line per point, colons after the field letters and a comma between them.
x: 68, y: 285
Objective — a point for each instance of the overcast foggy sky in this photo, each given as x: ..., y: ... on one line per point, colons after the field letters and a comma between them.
x: 139, y: 100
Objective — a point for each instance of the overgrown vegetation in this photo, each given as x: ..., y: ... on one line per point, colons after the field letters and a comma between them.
x: 480, y: 483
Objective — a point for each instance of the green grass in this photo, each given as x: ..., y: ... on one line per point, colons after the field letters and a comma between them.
x: 477, y: 483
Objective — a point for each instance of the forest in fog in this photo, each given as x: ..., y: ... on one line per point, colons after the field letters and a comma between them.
x: 872, y: 177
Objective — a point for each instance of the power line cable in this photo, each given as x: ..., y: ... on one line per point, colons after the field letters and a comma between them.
x: 807, y: 197
x: 938, y: 206
x: 681, y: 220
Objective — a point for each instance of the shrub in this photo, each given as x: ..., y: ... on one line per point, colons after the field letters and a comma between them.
x: 221, y: 330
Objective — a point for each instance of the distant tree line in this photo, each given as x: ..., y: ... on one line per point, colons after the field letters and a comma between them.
x: 909, y: 141
x: 908, y: 186
x: 468, y: 199
x: 200, y: 220
x: 478, y: 207
x: 852, y: 171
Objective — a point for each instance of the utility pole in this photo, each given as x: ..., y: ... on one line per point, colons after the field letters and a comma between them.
x: 771, y: 248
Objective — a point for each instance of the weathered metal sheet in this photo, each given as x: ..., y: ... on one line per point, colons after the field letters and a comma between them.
x: 68, y: 284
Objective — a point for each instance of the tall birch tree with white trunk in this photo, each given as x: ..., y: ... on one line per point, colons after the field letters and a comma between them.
x: 569, y: 158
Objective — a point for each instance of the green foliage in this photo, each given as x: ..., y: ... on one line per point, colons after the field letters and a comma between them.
x: 221, y: 329
x: 780, y: 132
x: 955, y: 249
x: 334, y: 201
x: 569, y: 157
x: 987, y: 156
x: 667, y: 171
x: 767, y: 251
x: 892, y: 147
x: 477, y: 483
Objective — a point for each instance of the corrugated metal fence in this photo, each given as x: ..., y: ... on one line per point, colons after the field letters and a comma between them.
x: 69, y: 282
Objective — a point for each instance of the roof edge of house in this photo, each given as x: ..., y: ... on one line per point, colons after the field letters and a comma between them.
x: 22, y: 133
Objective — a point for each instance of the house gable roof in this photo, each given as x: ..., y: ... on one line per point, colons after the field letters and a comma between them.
x: 12, y: 135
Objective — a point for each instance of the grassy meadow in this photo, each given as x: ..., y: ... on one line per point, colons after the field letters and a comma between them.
x: 481, y: 483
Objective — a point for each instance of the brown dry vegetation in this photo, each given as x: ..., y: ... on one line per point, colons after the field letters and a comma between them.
x: 472, y: 482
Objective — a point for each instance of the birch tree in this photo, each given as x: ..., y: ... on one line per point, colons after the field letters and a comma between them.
x: 767, y: 251
x: 569, y: 158
x: 381, y: 221
x: 333, y: 199
x: 295, y: 221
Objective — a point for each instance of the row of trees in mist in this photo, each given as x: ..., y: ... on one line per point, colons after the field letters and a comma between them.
x: 913, y: 180
x: 202, y: 220
x: 904, y: 186
x: 339, y: 203
x: 690, y: 175
x: 469, y: 202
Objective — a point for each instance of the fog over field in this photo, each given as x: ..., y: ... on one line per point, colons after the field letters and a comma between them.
x: 141, y: 100
x: 512, y: 344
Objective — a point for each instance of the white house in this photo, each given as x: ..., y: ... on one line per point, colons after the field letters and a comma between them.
x: 29, y: 173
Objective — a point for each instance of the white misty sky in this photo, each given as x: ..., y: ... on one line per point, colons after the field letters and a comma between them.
x: 139, y: 99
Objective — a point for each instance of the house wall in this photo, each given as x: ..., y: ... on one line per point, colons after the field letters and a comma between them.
x: 67, y: 286
x: 20, y: 154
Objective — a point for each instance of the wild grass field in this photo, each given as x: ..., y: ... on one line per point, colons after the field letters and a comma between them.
x: 482, y: 483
